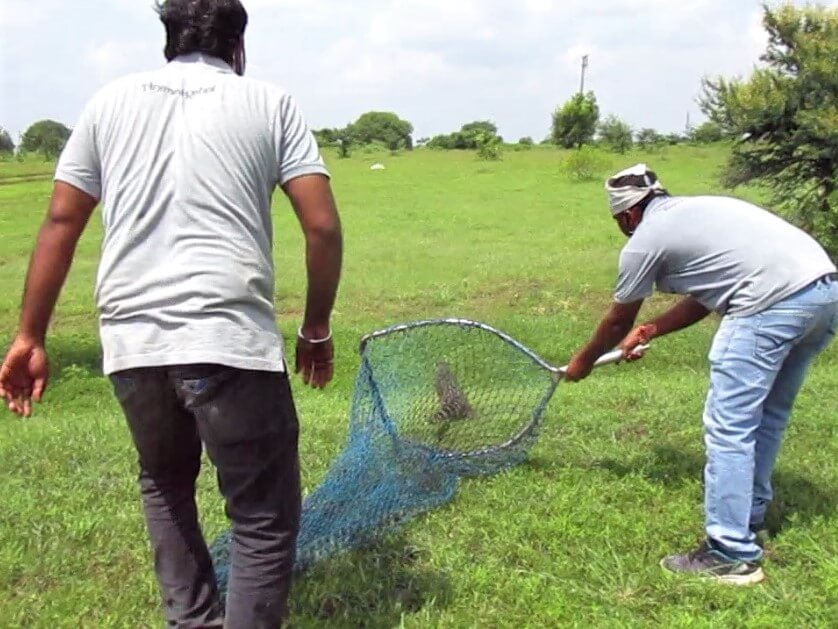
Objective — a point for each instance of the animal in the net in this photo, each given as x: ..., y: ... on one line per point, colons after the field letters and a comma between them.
x: 453, y: 402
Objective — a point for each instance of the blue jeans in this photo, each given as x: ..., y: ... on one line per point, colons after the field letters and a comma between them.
x: 758, y: 364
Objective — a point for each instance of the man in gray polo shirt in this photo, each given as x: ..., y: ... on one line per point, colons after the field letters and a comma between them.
x: 184, y: 160
x: 776, y: 291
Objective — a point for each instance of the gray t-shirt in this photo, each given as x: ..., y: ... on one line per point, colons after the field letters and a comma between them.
x: 734, y: 257
x: 185, y: 160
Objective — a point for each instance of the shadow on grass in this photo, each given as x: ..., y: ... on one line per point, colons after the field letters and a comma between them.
x: 369, y: 587
x: 794, y: 495
x: 82, y: 351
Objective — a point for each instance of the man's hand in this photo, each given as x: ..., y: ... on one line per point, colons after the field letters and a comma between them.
x: 613, y: 327
x: 24, y: 375
x: 641, y: 335
x: 315, y: 361
x: 580, y: 367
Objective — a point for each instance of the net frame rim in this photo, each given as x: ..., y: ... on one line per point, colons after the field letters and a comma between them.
x: 458, y: 322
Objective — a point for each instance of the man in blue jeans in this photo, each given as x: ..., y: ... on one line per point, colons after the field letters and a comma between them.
x: 777, y: 293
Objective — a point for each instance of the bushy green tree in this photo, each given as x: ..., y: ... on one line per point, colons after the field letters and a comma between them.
x: 785, y: 118
x: 588, y: 163
x: 649, y: 137
x: 707, y: 133
x: 7, y: 145
x: 479, y: 132
x: 471, y: 136
x: 489, y: 146
x: 383, y: 127
x: 326, y: 136
x: 47, y: 137
x: 616, y: 134
x: 575, y: 122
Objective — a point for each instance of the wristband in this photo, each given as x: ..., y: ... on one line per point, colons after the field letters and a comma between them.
x: 314, y: 341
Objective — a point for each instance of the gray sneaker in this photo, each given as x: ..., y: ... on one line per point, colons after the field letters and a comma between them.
x: 706, y: 561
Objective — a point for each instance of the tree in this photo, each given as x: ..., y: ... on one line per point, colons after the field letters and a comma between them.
x: 47, y: 137
x: 326, y: 136
x: 574, y: 123
x: 479, y: 132
x: 649, y: 137
x: 343, y: 140
x: 526, y: 141
x: 7, y: 145
x: 616, y: 134
x: 471, y: 136
x: 586, y: 164
x: 384, y: 127
x: 785, y: 118
x: 707, y: 133
x: 489, y: 145
x: 441, y: 141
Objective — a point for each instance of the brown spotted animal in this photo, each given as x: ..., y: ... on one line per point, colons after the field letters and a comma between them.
x: 453, y: 402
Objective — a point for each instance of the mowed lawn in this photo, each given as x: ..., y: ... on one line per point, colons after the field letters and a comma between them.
x: 570, y: 538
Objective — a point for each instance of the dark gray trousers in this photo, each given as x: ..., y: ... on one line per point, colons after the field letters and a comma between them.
x: 248, y: 423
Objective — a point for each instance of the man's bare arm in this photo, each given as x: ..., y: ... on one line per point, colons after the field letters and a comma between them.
x: 69, y: 212
x: 613, y: 328
x: 685, y: 313
x: 312, y: 200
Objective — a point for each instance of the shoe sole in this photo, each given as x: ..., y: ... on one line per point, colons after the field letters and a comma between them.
x: 752, y: 578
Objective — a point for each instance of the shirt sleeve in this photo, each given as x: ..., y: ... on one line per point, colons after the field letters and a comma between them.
x: 79, y: 164
x: 638, y: 272
x: 298, y: 152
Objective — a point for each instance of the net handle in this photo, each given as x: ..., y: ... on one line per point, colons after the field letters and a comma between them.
x: 611, y: 358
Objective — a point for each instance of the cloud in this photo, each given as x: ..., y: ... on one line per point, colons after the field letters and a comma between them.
x: 113, y: 58
x: 16, y: 14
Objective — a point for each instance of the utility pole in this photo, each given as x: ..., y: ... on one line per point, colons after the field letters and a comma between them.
x: 584, y: 67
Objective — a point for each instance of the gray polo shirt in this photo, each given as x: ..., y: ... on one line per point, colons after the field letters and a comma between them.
x: 185, y: 160
x: 732, y: 256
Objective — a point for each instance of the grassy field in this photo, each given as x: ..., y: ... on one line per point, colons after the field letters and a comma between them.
x: 570, y: 538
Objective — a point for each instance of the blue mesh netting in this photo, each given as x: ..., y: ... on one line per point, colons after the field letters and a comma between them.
x: 433, y: 401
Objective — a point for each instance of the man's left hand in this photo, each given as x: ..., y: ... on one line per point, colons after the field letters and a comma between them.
x: 315, y: 362
x: 641, y: 335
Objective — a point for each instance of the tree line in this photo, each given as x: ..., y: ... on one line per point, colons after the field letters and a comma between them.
x: 782, y: 123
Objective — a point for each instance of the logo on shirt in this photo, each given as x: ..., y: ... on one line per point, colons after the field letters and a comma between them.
x: 169, y: 91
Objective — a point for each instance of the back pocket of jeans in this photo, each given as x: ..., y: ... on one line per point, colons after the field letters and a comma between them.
x: 198, y: 391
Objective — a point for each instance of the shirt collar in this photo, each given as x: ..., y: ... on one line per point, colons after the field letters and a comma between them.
x: 201, y: 58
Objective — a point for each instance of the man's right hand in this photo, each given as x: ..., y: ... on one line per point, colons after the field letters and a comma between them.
x: 24, y: 375
x: 315, y: 361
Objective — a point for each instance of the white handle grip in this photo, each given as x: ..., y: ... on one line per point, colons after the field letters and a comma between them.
x: 610, y: 358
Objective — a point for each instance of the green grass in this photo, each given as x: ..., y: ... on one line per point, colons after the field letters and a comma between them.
x: 29, y: 168
x: 571, y: 538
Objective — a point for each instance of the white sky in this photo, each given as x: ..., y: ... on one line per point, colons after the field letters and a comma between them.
x: 437, y: 63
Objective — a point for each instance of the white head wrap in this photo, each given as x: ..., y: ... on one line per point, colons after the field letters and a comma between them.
x: 624, y: 198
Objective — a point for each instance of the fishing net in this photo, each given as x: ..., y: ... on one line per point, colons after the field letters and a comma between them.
x: 434, y: 401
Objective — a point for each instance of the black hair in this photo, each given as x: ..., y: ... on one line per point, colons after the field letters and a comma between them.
x: 640, y: 181
x: 212, y: 27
